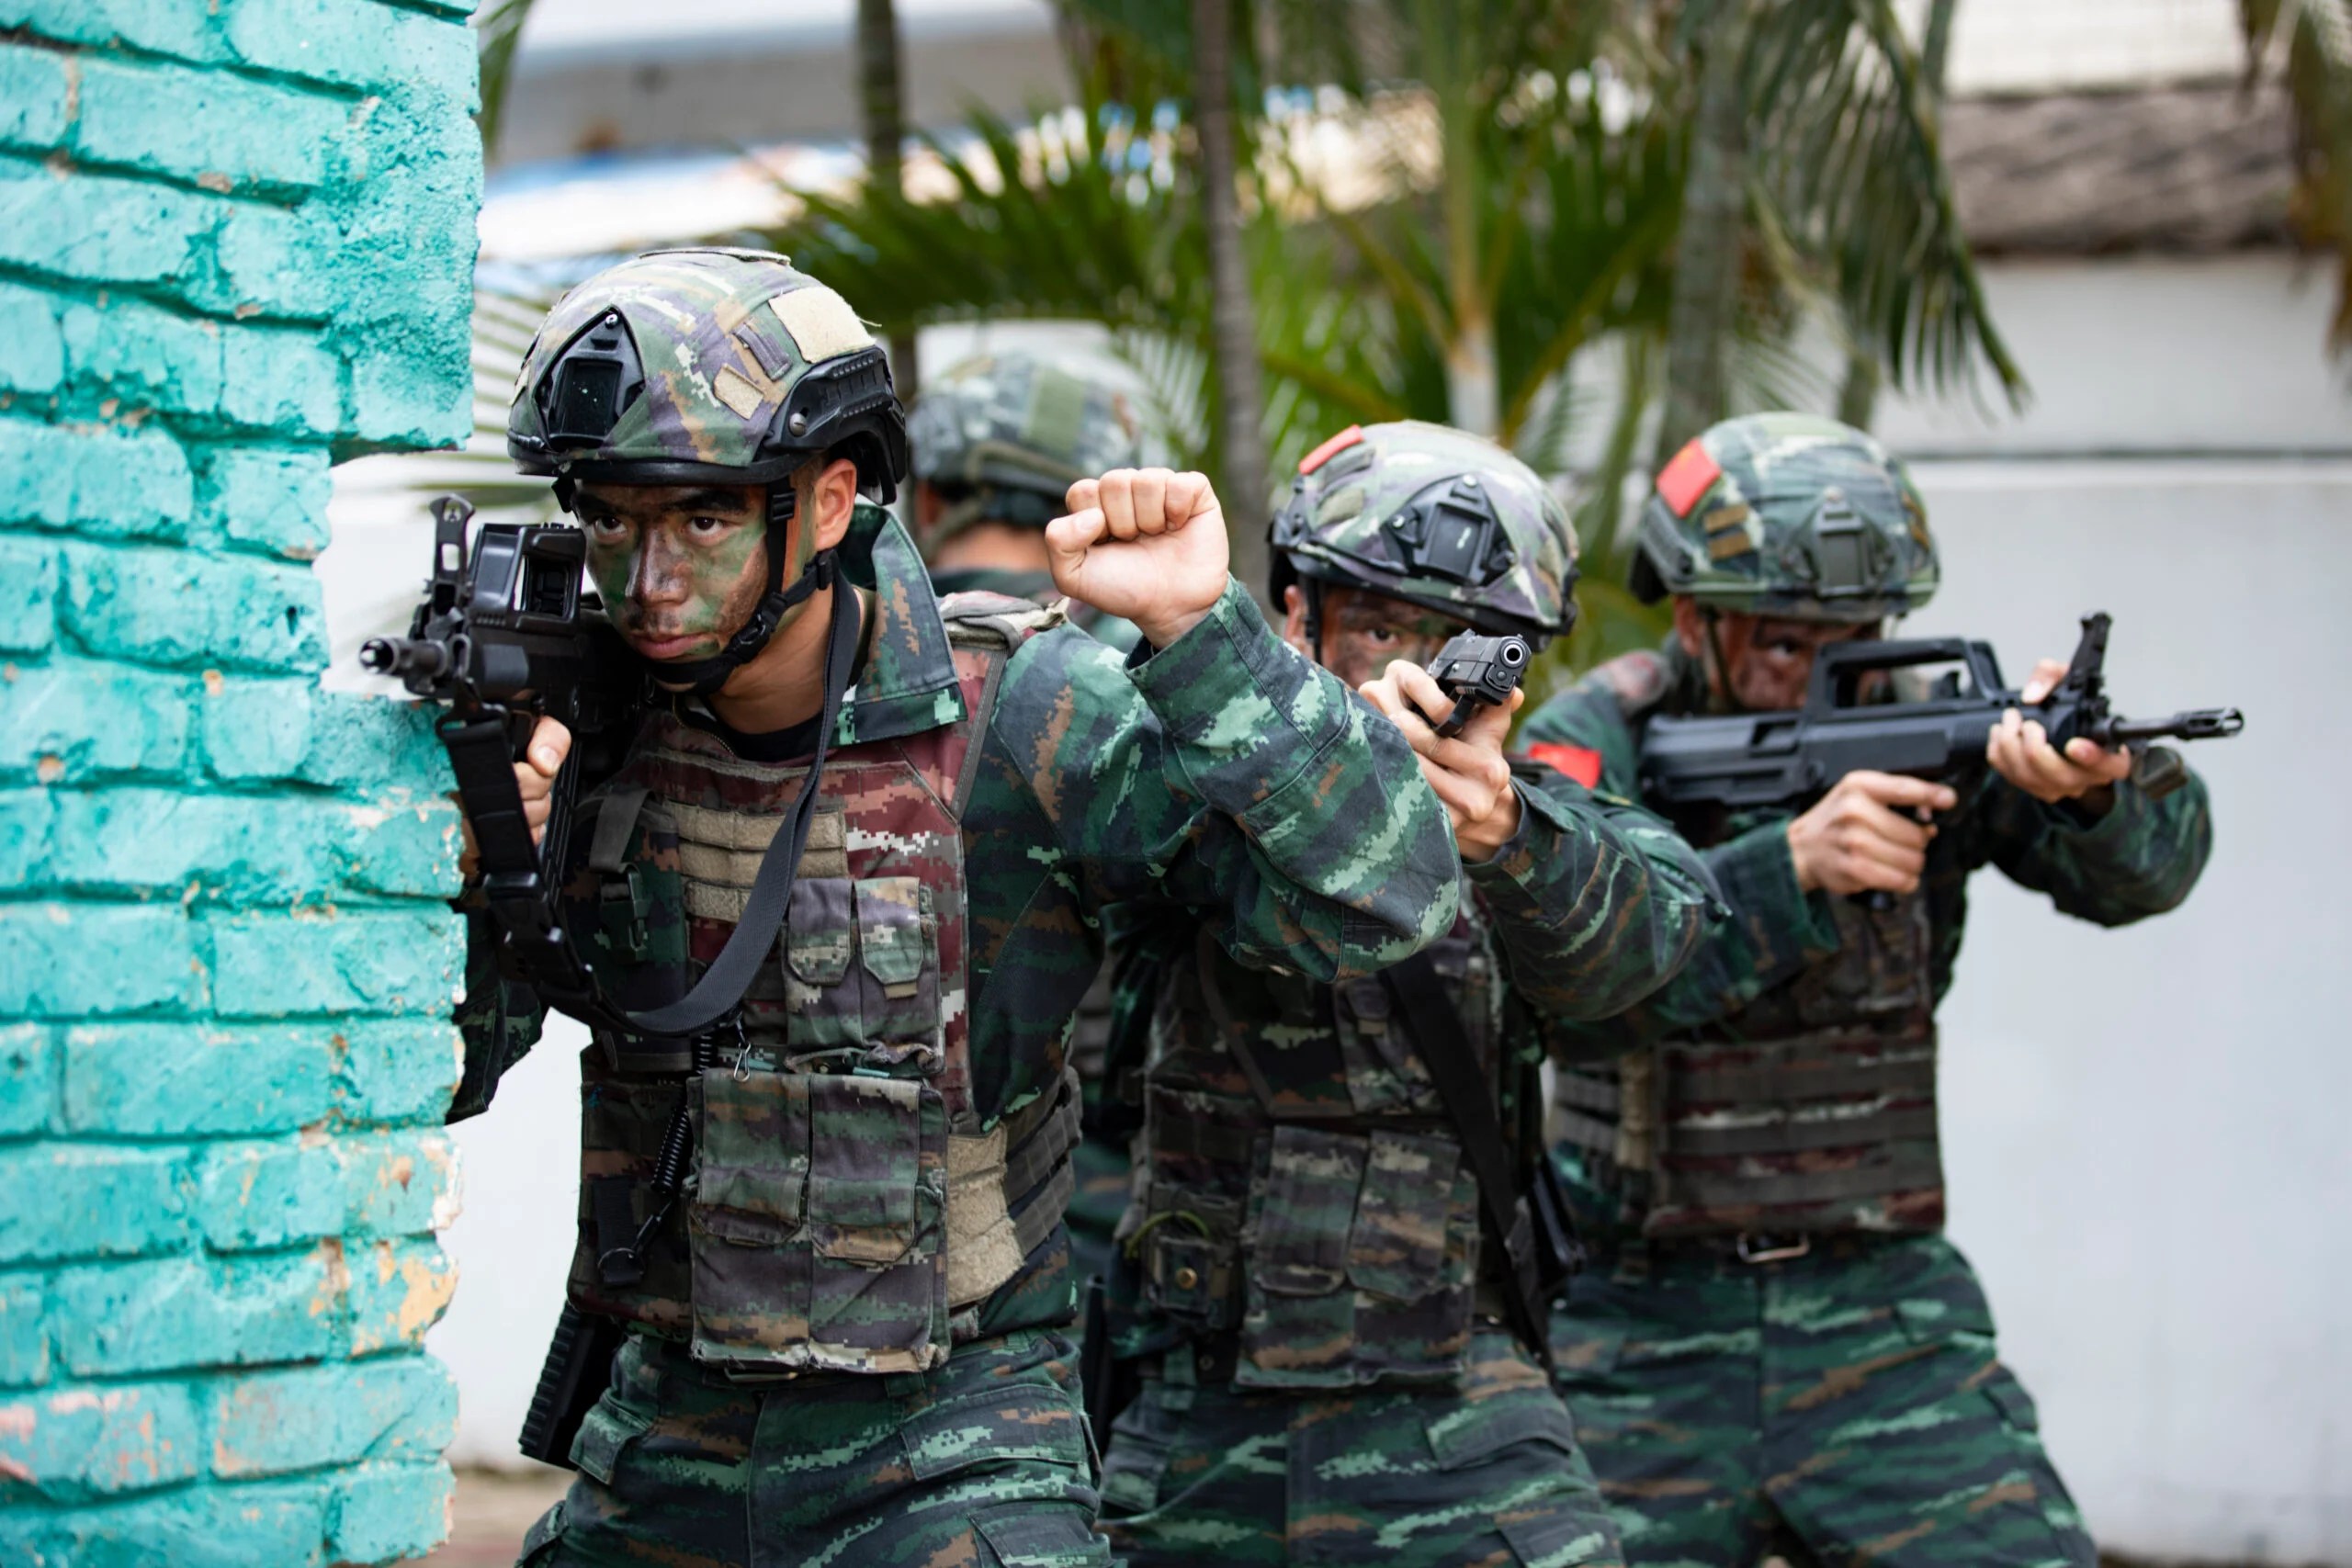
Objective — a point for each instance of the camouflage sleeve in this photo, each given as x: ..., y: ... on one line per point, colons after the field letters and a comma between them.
x: 1228, y: 776
x: 1774, y: 930
x: 499, y: 1020
x: 2138, y: 858
x: 1596, y: 905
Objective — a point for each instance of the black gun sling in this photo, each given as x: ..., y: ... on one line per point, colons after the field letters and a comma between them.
x: 1511, y: 1225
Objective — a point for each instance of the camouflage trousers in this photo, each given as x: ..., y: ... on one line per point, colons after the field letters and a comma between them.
x: 1842, y: 1407
x: 1488, y: 1475
x: 981, y: 1462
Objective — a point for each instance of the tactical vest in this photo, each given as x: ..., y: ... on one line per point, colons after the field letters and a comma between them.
x: 1813, y: 1109
x: 1298, y: 1187
x: 845, y: 1206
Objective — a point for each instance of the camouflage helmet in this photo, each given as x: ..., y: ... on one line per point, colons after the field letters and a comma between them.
x: 1436, y: 518
x: 709, y: 364
x: 1004, y: 436
x: 1787, y: 515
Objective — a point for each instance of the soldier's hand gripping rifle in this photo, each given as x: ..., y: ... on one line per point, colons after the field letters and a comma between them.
x: 1781, y: 759
x: 1477, y: 672
x: 503, y: 637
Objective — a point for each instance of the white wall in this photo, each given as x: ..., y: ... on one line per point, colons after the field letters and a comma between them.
x: 2146, y: 1148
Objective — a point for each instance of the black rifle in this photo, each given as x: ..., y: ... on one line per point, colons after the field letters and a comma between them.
x: 504, y: 636
x: 1477, y: 672
x: 1775, y: 758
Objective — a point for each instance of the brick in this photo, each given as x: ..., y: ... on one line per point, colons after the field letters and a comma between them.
x: 400, y: 1070
x: 75, y: 960
x: 152, y: 356
x: 268, y: 498
x: 32, y: 351
x: 28, y: 593
x: 217, y: 848
x: 205, y: 125
x: 398, y: 1290
x: 126, y: 1319
x: 348, y: 42
x: 260, y: 1195
x: 386, y: 1511
x: 69, y: 720
x: 63, y: 1201
x: 399, y: 1183
x: 36, y: 90
x: 283, y: 379
x: 169, y: 606
x: 271, y: 262
x: 336, y: 960
x: 24, y: 1336
x: 26, y: 817
x: 100, y: 479
x: 205, y: 1527
x: 97, y: 228
x: 398, y: 847
x: 181, y: 30
x: 289, y: 729
x: 197, y: 1080
x: 74, y: 1445
x: 393, y: 1409
x: 29, y: 1074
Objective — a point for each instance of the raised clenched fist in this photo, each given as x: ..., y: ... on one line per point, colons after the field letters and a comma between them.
x: 1146, y: 544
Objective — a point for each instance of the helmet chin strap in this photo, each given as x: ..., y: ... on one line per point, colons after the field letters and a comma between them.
x: 704, y: 677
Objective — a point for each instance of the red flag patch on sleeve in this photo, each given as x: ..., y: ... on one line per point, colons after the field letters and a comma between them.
x: 1578, y: 762
x: 1686, y: 477
x: 1331, y: 448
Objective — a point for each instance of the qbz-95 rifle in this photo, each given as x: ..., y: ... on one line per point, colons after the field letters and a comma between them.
x: 505, y: 635
x: 1477, y: 672
x: 1778, y: 759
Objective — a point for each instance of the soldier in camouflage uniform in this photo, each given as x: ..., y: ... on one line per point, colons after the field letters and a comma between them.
x: 1317, y: 1322
x: 996, y: 442
x: 1776, y: 1346
x: 843, y: 1336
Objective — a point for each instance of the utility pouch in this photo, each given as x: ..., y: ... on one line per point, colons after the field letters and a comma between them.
x: 862, y: 955
x: 817, y: 1225
x: 1360, y: 1256
x: 623, y: 1118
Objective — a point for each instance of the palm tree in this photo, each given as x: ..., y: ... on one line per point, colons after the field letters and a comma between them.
x: 1818, y: 166
x: 885, y: 132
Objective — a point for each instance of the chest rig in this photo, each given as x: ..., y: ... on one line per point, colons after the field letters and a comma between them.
x: 843, y: 1204
x: 1299, y: 1189
x: 1811, y: 1109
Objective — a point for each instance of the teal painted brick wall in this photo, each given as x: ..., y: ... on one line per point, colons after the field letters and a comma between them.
x: 236, y: 246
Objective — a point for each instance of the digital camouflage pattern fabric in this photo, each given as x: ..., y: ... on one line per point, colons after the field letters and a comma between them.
x: 1844, y: 1408
x: 1487, y: 1473
x: 703, y: 363
x: 1436, y: 518
x: 1004, y: 436
x: 1776, y: 1094
x: 981, y: 1463
x: 1787, y: 515
x: 901, y: 1083
x: 1306, y: 1293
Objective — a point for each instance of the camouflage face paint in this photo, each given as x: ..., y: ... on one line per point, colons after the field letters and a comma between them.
x: 1364, y: 633
x: 680, y: 567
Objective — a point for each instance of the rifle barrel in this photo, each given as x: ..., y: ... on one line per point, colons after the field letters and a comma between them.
x: 2198, y: 724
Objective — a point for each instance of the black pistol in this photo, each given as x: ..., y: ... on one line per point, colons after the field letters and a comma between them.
x: 1476, y: 672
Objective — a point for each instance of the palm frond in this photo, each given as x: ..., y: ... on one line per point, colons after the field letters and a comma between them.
x: 498, y: 27
x: 2311, y: 41
x: 1846, y: 151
